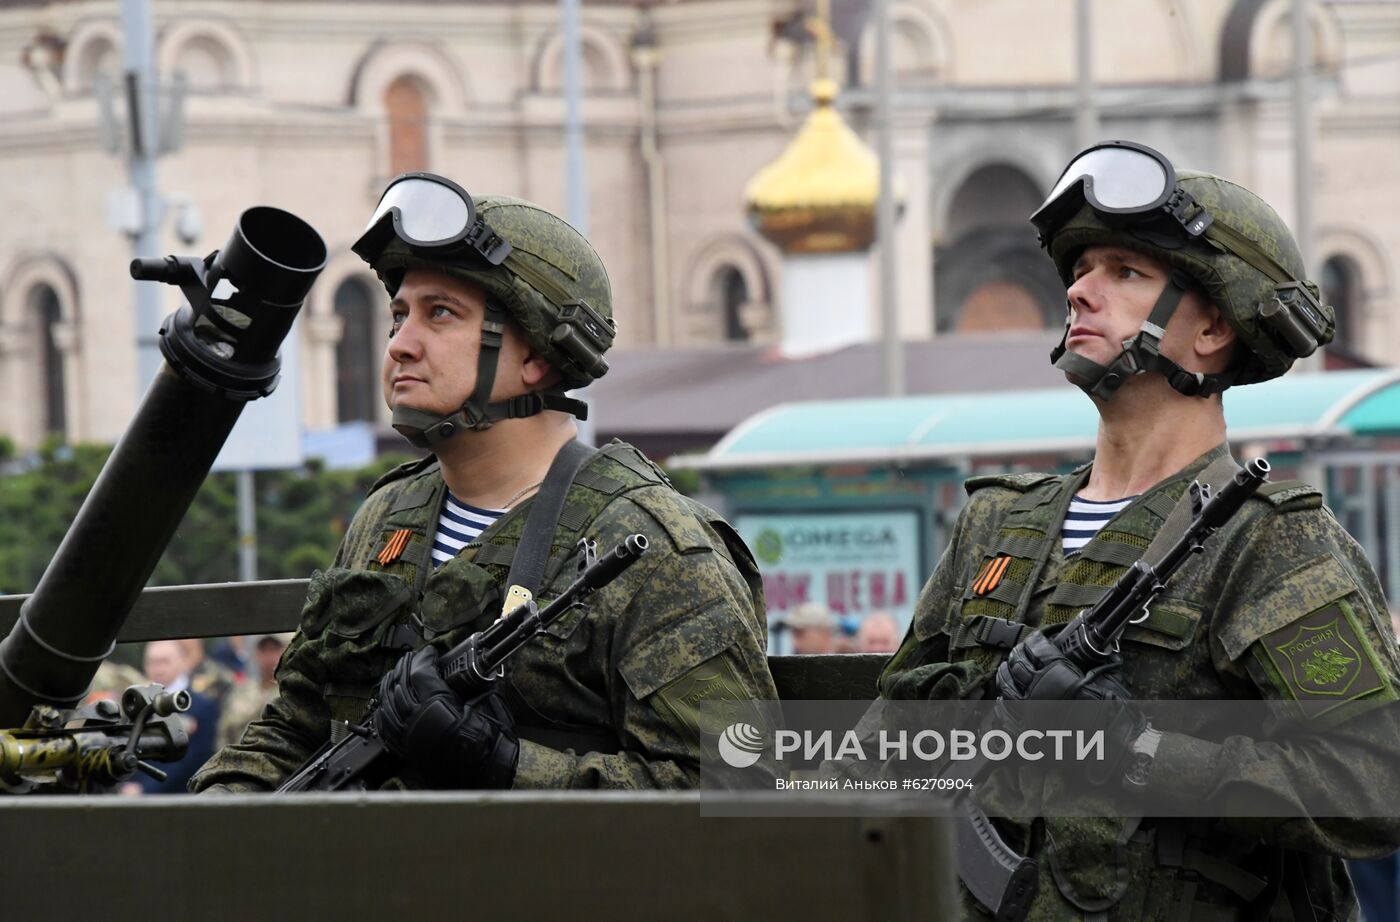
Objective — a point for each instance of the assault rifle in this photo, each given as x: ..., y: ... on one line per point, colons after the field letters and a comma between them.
x: 1000, y: 879
x: 95, y: 747
x: 356, y: 758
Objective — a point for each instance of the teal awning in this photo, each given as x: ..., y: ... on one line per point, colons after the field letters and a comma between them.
x: 934, y: 427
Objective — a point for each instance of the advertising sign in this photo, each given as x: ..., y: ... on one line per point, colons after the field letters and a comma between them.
x: 854, y: 563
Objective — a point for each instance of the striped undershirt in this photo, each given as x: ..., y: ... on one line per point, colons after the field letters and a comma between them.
x: 1085, y: 518
x: 458, y: 525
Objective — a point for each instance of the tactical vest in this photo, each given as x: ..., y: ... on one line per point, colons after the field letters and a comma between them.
x: 1022, y: 581
x: 385, y: 597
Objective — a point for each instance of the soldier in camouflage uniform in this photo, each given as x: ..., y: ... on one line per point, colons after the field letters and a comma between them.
x: 1176, y: 291
x: 498, y: 307
x: 248, y: 699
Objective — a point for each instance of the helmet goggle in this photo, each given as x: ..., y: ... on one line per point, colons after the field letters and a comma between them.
x: 1125, y: 183
x: 434, y: 216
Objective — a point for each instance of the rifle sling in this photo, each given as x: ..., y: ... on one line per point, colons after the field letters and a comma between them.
x: 1216, y: 474
x: 527, y: 567
x: 532, y: 553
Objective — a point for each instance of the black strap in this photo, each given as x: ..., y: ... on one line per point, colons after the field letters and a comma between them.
x: 532, y: 553
x: 1143, y: 353
x: 534, y: 402
x: 493, y: 328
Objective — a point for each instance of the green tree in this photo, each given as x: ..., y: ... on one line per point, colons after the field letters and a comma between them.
x: 302, y: 515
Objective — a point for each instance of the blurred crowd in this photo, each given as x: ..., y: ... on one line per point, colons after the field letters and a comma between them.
x: 229, y: 683
x: 812, y: 628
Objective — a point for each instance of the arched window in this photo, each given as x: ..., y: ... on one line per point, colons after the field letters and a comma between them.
x: 1340, y: 280
x: 46, y: 315
x: 207, y: 64
x: 731, y: 294
x: 357, y: 354
x: 990, y: 273
x: 96, y: 55
x: 406, y: 104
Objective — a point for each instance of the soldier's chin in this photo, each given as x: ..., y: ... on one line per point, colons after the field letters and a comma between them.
x: 1081, y: 383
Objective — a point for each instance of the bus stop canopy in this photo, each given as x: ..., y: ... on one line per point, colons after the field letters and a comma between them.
x: 938, y: 427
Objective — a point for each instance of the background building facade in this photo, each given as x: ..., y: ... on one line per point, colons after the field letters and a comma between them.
x: 312, y: 106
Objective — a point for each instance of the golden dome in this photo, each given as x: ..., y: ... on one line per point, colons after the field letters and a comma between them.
x: 820, y: 195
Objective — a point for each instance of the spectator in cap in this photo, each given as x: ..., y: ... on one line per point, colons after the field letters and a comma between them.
x: 813, y: 628
x: 111, y: 680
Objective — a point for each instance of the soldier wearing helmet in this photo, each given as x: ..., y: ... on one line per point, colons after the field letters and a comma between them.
x: 1180, y: 285
x: 499, y: 307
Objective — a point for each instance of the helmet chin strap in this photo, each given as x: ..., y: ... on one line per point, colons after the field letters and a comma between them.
x: 1141, y: 354
x: 429, y: 430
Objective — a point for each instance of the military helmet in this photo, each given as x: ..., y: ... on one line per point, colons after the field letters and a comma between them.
x: 551, y: 282
x: 534, y: 269
x: 1215, y: 234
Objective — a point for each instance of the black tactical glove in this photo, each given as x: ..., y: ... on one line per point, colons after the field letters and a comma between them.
x: 450, y: 743
x: 1036, y: 670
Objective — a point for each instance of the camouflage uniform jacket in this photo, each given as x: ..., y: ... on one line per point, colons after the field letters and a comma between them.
x: 607, y: 697
x: 1283, y: 562
x: 242, y: 708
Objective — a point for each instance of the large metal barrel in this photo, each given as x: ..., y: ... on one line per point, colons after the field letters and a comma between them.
x: 221, y: 351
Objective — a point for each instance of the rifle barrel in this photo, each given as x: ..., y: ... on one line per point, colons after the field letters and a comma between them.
x: 1105, y: 622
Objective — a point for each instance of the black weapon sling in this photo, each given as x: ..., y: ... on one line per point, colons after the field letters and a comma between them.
x: 527, y: 571
x: 532, y: 553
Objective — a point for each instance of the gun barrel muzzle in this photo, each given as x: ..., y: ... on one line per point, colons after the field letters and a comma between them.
x: 160, y: 269
x: 167, y: 703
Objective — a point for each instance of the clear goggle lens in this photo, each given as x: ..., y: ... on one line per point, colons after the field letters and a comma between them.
x: 1116, y: 177
x: 428, y: 212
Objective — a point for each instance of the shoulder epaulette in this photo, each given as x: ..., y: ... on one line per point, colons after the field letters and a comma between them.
x: 405, y: 470
x: 1291, y: 494
x: 636, y: 462
x: 1018, y: 482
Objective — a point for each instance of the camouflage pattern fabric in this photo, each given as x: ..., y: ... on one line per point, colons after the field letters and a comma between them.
x: 214, y: 680
x: 243, y: 707
x: 111, y: 680
x: 1282, y: 605
x: 606, y: 698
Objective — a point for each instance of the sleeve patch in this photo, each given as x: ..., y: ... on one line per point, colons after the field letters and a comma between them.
x: 693, y: 702
x: 1322, y: 660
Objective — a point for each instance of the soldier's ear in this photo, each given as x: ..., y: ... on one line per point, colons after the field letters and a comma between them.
x: 537, y: 373
x: 1215, y: 338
